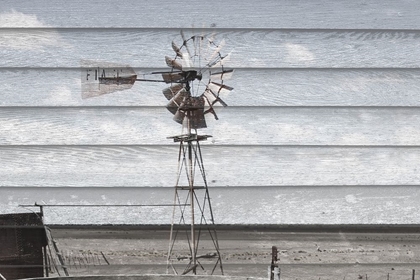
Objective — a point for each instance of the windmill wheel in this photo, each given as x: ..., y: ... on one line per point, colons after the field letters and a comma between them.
x: 197, y: 79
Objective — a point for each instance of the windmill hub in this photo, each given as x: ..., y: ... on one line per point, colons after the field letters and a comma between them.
x: 191, y: 75
x: 197, y: 80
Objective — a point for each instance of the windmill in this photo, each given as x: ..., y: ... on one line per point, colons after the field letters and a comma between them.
x: 195, y: 86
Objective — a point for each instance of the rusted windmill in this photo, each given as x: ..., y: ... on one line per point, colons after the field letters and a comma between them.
x: 196, y: 83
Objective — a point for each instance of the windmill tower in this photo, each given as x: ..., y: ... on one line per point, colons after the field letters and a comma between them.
x: 196, y: 84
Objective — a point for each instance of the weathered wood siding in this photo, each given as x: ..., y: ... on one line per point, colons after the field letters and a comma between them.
x: 323, y: 125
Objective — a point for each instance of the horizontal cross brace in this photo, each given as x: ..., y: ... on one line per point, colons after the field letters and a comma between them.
x: 189, y: 137
x: 189, y: 188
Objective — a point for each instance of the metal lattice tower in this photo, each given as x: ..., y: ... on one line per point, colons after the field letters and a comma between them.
x: 194, y: 210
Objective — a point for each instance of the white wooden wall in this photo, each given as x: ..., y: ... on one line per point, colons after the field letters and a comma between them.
x: 323, y: 125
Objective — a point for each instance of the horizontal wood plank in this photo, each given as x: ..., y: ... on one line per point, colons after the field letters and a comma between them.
x: 266, y: 48
x: 117, y: 166
x: 319, y: 125
x: 232, y: 205
x: 166, y: 13
x: 252, y: 87
x: 322, y: 126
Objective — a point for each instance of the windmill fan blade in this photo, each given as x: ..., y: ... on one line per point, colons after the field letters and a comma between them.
x: 185, y: 43
x: 179, y: 116
x: 218, y: 61
x: 215, y: 57
x: 176, y: 101
x: 222, y: 75
x: 176, y: 49
x: 186, y: 61
x: 213, y: 98
x: 185, y: 56
x: 173, y: 63
x: 211, y: 110
x: 172, y: 91
x: 217, y: 87
x: 210, y: 39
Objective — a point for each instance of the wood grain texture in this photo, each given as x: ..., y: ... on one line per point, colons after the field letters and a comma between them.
x: 262, y: 48
x: 252, y: 87
x: 219, y: 13
x: 275, y: 205
x: 324, y: 126
x: 144, y: 166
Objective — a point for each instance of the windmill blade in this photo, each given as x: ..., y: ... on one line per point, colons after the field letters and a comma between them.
x: 186, y: 57
x: 215, y: 57
x: 179, y: 116
x: 222, y: 75
x: 205, y: 47
x: 212, y: 48
x: 172, y: 91
x: 218, y: 47
x: 211, y: 110
x: 197, y: 41
x: 186, y: 61
x: 176, y: 49
x: 210, y: 101
x: 175, y: 103
x: 98, y: 78
x: 217, y: 87
x: 210, y: 39
x: 212, y: 98
x: 219, y: 61
x: 173, y: 63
